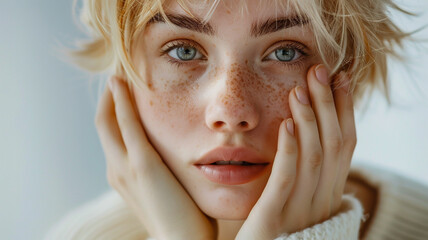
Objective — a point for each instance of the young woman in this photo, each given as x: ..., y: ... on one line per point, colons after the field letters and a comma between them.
x: 234, y: 120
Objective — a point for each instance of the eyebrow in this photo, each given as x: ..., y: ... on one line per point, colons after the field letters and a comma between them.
x: 271, y: 25
x: 184, y: 21
x: 276, y: 24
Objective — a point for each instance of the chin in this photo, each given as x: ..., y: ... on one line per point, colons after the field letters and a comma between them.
x: 229, y: 213
x: 228, y: 203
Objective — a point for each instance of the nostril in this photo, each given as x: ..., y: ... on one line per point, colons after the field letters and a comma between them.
x: 243, y: 124
x: 218, y: 124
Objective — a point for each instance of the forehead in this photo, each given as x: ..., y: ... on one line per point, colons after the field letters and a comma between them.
x: 229, y: 18
x: 242, y: 11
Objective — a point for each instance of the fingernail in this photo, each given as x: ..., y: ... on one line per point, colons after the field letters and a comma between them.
x: 301, y: 95
x: 290, y: 126
x: 321, y: 73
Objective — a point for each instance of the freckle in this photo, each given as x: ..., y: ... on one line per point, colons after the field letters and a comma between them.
x: 228, y: 11
x: 151, y: 103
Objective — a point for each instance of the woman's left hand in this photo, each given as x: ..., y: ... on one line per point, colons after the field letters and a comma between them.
x: 310, y: 169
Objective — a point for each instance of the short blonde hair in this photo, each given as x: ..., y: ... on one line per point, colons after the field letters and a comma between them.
x: 352, y: 35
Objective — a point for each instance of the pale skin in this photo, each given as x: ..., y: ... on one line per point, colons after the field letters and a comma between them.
x: 151, y: 142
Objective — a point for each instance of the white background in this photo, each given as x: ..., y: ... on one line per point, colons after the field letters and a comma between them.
x: 51, y: 158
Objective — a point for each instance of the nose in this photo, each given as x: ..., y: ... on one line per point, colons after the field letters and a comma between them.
x: 231, y: 107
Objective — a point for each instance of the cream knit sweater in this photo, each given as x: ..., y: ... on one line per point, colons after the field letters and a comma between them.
x: 401, y: 213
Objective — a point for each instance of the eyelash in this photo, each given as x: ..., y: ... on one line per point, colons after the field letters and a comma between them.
x: 176, y: 44
x: 289, y: 44
x: 293, y: 45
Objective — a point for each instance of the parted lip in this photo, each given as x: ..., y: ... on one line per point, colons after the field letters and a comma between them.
x: 231, y: 154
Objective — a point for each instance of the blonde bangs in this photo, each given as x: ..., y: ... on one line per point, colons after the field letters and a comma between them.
x: 355, y: 36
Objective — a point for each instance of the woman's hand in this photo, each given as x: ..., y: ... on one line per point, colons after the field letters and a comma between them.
x: 310, y: 169
x: 139, y: 175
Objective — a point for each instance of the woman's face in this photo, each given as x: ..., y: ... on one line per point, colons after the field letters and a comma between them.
x: 221, y: 88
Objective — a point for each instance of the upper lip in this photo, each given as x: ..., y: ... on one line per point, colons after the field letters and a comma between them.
x: 231, y: 154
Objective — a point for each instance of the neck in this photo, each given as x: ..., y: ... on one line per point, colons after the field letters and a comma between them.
x: 228, y: 229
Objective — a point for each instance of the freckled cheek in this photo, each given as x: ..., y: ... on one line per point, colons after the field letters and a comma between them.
x: 287, y: 77
x: 172, y: 97
x: 165, y: 111
x: 166, y: 77
x: 276, y: 93
x: 275, y: 99
x: 276, y: 109
x: 276, y: 102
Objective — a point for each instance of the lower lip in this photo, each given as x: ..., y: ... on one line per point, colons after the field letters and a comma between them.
x: 231, y: 174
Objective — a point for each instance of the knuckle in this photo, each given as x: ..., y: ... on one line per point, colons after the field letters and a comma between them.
x: 327, y: 98
x: 308, y: 116
x: 334, y: 144
x: 102, y: 122
x: 115, y: 180
x: 286, y: 181
x: 315, y: 160
x: 351, y: 142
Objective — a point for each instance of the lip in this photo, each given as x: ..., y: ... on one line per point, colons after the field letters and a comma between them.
x: 231, y: 174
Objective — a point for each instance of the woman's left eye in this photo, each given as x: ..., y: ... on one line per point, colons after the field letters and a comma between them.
x: 185, y: 53
x: 285, y: 54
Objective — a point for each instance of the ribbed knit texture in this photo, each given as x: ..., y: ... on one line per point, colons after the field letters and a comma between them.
x: 345, y: 225
x: 402, y: 208
x: 401, y: 213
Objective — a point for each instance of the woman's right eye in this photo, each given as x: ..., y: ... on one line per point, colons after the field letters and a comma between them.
x: 185, y: 53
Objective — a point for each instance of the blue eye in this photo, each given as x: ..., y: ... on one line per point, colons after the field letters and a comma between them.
x: 286, y: 54
x: 185, y: 53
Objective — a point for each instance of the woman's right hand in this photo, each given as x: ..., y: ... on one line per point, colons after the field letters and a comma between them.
x: 136, y: 171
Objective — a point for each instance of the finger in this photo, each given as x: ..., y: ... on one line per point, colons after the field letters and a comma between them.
x: 310, y: 151
x: 330, y: 135
x: 132, y: 131
x: 345, y: 111
x: 108, y: 129
x: 283, y: 175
